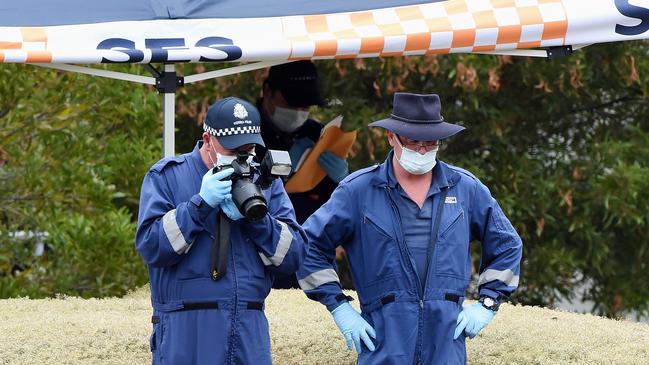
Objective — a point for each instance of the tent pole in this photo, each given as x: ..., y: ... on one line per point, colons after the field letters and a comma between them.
x: 169, y: 110
x: 231, y: 71
x: 518, y: 52
x: 166, y: 82
x: 98, y: 72
x: 544, y: 53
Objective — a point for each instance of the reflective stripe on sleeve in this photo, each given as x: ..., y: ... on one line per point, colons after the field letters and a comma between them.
x: 318, y: 278
x: 506, y: 276
x: 283, y: 245
x: 174, y: 235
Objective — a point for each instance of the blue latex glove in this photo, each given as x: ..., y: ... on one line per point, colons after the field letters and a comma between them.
x: 213, y: 190
x: 353, y: 327
x: 230, y: 209
x: 336, y: 167
x: 297, y: 150
x: 473, y: 319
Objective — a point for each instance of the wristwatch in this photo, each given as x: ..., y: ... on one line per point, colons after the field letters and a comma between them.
x: 489, y: 303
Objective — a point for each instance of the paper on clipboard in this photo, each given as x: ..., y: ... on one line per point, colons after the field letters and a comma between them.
x: 308, y: 171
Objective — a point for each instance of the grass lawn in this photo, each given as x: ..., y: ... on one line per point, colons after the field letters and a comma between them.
x: 116, y: 331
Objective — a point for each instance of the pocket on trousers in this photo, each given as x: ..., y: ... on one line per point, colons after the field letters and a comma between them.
x: 155, y: 341
x: 152, y: 340
x: 396, y: 334
x: 368, y: 318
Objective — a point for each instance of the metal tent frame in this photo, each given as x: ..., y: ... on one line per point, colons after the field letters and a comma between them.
x: 166, y: 82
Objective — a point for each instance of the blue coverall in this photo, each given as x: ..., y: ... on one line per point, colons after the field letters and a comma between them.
x: 198, y: 320
x: 414, y: 324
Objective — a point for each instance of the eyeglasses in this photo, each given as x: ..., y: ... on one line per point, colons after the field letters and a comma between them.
x: 414, y: 145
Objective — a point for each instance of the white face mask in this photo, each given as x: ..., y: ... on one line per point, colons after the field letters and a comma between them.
x: 416, y: 163
x: 224, y: 160
x: 288, y: 120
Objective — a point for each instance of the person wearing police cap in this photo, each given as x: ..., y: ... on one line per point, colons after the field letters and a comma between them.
x: 289, y: 92
x: 198, y: 319
x: 406, y: 226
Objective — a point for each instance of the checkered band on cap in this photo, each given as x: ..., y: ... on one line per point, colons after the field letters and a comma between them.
x: 231, y: 131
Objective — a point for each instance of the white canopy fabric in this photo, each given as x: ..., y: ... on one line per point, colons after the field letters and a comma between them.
x: 455, y: 26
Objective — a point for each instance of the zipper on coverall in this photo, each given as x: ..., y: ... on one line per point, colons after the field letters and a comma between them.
x: 418, y: 284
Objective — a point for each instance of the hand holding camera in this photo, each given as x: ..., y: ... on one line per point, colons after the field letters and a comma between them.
x: 248, y: 178
x: 214, y: 190
x: 230, y: 209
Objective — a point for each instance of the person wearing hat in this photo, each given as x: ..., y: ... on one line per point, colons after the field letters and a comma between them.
x: 198, y: 319
x: 288, y: 94
x: 406, y: 225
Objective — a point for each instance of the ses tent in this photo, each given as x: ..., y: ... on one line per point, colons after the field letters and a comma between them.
x: 258, y: 33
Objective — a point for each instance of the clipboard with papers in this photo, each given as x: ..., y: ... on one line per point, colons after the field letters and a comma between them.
x: 308, y: 172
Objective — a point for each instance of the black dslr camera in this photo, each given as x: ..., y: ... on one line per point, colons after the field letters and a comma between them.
x: 246, y: 194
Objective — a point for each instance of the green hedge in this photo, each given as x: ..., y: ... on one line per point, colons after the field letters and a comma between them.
x: 562, y: 144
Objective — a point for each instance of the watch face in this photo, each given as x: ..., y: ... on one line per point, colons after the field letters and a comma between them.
x: 488, y: 302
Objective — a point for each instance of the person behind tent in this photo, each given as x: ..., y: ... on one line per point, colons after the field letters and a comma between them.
x: 406, y: 226
x: 289, y: 91
x: 196, y: 319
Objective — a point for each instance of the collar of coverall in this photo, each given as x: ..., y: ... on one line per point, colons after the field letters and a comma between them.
x: 197, y: 160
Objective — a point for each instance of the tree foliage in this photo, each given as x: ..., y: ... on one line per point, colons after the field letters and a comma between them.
x: 73, y: 151
x: 562, y: 144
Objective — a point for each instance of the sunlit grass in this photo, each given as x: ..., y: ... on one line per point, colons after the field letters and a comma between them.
x: 116, y: 331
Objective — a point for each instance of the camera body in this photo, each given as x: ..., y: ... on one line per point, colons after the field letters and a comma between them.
x: 247, y: 193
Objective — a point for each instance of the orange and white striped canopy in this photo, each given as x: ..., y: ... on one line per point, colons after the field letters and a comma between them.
x: 411, y: 28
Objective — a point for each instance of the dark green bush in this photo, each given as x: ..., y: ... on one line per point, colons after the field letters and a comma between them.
x: 562, y: 144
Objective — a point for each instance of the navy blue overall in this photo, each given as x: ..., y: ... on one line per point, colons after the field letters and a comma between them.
x: 414, y: 323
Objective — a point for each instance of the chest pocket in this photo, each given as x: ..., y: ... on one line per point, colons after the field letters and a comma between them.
x: 452, y: 249
x: 379, y: 252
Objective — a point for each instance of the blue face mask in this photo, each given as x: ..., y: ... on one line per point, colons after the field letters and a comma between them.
x: 416, y: 163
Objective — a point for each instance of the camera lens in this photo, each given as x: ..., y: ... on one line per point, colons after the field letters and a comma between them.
x: 255, y: 209
x: 249, y: 198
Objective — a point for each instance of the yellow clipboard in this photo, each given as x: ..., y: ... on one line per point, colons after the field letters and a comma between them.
x: 309, y: 173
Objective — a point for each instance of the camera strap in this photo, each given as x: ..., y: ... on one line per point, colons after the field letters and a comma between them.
x: 220, y: 247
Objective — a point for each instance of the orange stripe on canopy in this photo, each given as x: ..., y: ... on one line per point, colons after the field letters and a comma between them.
x: 39, y: 56
x: 10, y: 45
x: 417, y: 42
x: 326, y: 48
x: 34, y: 34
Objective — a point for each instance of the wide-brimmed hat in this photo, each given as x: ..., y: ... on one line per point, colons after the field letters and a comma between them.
x: 418, y: 117
x: 234, y: 122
